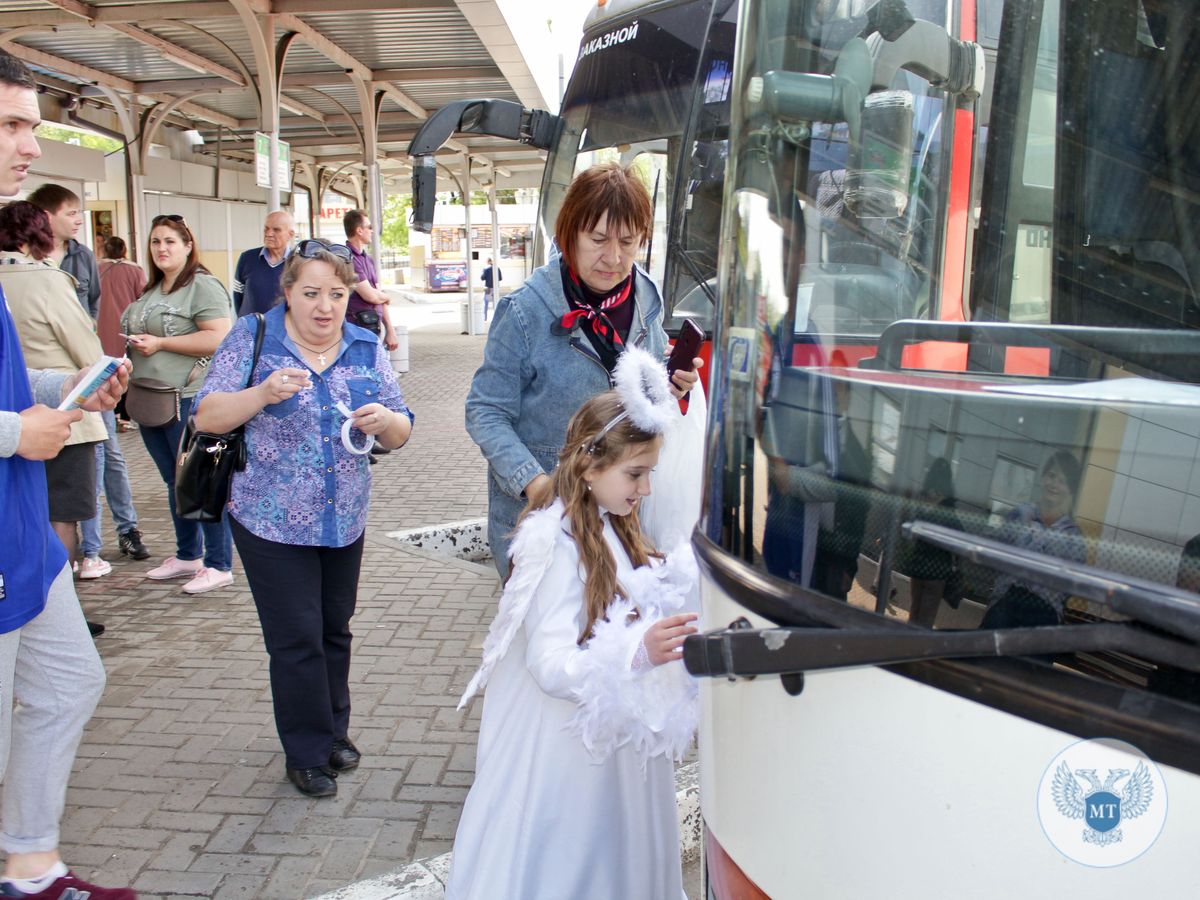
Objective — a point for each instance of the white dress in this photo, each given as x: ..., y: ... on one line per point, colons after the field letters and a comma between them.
x: 546, y: 819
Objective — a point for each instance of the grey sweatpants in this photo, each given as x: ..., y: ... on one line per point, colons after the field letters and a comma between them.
x: 50, y: 668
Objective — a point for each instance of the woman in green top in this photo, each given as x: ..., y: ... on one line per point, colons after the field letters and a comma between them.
x: 183, y: 316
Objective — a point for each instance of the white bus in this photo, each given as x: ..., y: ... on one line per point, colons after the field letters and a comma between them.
x: 953, y: 471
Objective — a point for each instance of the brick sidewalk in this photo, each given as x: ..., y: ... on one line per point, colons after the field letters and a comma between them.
x: 179, y: 785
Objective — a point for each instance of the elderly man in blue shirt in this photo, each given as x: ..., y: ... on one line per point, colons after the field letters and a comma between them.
x: 49, y: 667
x: 256, y: 276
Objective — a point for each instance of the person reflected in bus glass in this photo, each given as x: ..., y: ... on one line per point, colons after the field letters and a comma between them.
x: 555, y: 341
x: 1045, y: 527
x: 928, y: 567
x: 840, y: 538
x: 1170, y: 680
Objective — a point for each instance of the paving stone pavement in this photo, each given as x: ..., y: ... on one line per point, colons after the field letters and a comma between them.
x: 179, y: 786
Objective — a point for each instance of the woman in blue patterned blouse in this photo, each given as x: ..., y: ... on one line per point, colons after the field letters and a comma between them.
x: 322, y: 390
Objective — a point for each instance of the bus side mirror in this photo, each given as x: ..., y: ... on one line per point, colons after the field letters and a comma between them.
x: 424, y: 191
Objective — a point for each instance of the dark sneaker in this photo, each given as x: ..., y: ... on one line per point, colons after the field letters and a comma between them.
x: 71, y: 888
x: 316, y: 781
x: 131, y: 544
x: 344, y: 755
x: 95, y: 628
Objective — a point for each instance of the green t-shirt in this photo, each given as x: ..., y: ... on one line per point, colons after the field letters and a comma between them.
x: 174, y: 315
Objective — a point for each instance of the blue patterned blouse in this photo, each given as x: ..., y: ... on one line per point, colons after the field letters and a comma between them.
x: 300, y: 485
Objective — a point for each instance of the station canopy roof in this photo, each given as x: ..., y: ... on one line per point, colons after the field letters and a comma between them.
x: 407, y: 58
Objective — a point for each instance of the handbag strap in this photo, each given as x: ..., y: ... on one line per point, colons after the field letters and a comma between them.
x: 258, y: 342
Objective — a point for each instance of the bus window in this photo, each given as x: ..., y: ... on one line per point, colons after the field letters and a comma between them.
x: 1068, y: 432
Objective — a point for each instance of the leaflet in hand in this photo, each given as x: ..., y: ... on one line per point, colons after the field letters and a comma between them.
x: 104, y: 369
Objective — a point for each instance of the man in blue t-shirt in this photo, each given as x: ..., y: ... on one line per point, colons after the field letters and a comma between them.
x: 256, y: 276
x: 48, y: 662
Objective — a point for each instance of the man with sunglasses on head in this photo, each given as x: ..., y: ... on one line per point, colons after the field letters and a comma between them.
x: 49, y: 667
x: 256, y: 277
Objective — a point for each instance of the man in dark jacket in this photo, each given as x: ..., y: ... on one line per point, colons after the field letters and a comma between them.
x: 489, y: 291
x: 66, y: 218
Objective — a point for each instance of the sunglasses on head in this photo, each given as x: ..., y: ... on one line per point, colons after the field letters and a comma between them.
x: 311, y: 248
x: 172, y: 217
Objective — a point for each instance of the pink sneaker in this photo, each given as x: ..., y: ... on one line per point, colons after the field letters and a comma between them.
x: 208, y: 580
x: 94, y: 567
x: 174, y: 567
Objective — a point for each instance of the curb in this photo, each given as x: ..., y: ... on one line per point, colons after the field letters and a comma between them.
x: 425, y: 879
x: 466, y: 540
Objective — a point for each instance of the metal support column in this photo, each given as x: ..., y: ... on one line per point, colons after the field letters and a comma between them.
x: 495, y: 241
x: 466, y: 194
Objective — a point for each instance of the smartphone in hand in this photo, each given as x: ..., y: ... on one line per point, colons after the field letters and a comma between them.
x: 687, y: 345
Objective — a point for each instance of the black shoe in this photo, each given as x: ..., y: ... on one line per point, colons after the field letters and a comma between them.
x: 95, y: 628
x: 372, y: 460
x: 131, y: 544
x: 316, y: 782
x: 380, y: 451
x: 344, y: 755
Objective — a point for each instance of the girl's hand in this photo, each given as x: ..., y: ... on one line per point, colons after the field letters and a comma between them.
x: 373, y: 418
x: 145, y: 344
x: 664, y: 639
x: 283, y: 384
x: 683, y: 381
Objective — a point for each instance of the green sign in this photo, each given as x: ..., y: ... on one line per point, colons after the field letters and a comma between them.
x: 283, y: 162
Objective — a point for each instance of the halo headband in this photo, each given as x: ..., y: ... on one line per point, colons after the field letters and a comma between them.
x: 641, y: 383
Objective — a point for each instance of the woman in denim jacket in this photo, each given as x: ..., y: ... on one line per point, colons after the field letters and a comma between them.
x: 554, y: 342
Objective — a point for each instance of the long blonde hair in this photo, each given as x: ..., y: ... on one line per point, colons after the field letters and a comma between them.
x: 580, y: 455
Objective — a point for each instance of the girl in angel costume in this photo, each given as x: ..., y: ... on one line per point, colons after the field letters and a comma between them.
x: 588, y: 704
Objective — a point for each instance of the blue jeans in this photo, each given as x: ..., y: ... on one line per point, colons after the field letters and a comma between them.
x: 111, y: 473
x: 212, y: 539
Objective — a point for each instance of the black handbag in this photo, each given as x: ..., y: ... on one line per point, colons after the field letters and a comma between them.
x: 204, y: 472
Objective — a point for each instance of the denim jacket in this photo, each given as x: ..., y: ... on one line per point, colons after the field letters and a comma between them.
x: 532, y: 381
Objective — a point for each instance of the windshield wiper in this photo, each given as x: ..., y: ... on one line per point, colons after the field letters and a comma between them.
x: 743, y: 651
x: 1169, y: 608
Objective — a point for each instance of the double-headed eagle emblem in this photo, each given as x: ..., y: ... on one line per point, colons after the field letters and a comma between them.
x: 1100, y: 805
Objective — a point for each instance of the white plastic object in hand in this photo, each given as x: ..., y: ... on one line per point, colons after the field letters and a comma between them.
x: 103, y: 369
x: 346, y: 426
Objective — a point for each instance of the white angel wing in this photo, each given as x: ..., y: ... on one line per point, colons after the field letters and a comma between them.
x: 1068, y: 795
x: 532, y: 551
x: 1138, y: 792
x: 671, y: 511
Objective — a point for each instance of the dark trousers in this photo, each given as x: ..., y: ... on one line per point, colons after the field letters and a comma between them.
x: 305, y: 597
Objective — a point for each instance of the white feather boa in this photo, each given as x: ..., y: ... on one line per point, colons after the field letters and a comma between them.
x: 532, y: 551
x: 653, y: 710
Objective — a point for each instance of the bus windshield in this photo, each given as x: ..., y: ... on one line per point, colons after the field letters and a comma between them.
x: 1044, y: 398
x: 630, y: 99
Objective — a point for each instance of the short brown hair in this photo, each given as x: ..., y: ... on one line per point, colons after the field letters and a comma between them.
x: 22, y: 224
x: 608, y: 188
x: 295, y: 263
x: 352, y: 220
x: 52, y: 197
x: 114, y: 247
x: 15, y: 73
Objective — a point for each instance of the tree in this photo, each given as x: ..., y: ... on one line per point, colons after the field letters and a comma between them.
x: 396, y: 209
x: 50, y: 132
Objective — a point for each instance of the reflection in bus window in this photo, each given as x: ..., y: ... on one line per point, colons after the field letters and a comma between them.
x: 1088, y: 200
